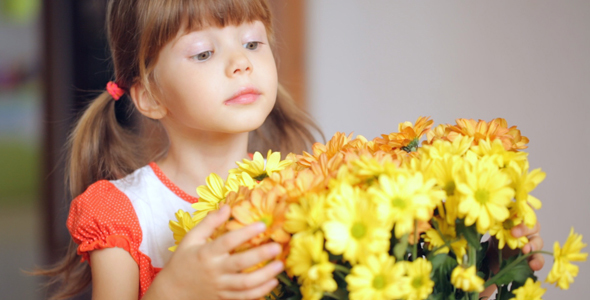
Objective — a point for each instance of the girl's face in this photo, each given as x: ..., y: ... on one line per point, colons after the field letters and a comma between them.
x: 217, y: 79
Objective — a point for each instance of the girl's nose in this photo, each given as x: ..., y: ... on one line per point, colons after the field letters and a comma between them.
x: 239, y: 64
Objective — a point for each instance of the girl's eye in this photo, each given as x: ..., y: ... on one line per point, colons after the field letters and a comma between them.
x: 203, y: 55
x: 251, y: 45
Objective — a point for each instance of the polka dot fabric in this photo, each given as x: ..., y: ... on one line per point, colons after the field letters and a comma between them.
x: 103, y: 217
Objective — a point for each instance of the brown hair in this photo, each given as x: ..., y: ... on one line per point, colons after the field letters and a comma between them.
x: 101, y: 147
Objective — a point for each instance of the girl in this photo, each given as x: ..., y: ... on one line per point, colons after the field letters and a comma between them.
x: 202, y: 80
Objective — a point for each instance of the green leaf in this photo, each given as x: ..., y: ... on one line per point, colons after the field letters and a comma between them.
x: 399, y: 250
x: 504, y: 293
x: 442, y: 267
x: 517, y: 273
x: 469, y: 233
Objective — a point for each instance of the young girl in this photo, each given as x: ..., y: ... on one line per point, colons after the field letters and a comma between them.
x: 202, y: 80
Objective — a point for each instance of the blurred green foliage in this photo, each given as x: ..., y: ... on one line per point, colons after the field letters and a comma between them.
x: 19, y: 173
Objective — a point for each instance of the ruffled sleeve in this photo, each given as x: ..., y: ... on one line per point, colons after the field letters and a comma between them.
x: 103, y: 217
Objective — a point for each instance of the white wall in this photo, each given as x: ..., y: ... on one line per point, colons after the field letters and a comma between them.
x: 373, y: 64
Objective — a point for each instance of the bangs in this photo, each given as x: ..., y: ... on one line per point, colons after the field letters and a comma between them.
x: 204, y: 13
x: 164, y: 19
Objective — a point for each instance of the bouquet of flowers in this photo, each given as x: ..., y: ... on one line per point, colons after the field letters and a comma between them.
x: 393, y: 218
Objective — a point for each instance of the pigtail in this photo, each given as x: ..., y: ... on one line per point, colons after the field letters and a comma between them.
x: 99, y: 148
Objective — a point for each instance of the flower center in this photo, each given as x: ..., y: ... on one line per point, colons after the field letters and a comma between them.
x: 379, y: 282
x: 450, y: 188
x: 260, y: 177
x: 267, y: 220
x: 482, y: 196
x: 358, y: 230
x: 412, y: 146
x: 508, y: 224
x: 398, y: 202
x: 417, y: 282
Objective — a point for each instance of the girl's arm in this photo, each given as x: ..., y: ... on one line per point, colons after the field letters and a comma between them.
x: 115, y: 275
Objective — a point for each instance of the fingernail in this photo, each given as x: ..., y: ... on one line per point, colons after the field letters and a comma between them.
x: 516, y: 232
x: 260, y: 226
x: 277, y: 266
x: 275, y: 249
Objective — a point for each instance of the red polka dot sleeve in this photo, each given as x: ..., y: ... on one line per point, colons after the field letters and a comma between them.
x: 103, y: 217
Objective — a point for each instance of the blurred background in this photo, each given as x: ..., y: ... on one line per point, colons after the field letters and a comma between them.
x: 357, y: 66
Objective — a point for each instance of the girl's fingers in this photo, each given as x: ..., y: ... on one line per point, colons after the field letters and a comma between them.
x: 523, y: 230
x: 247, y: 281
x: 204, y: 230
x: 536, y: 262
x: 254, y: 293
x: 535, y: 243
x: 243, y: 260
x: 227, y: 242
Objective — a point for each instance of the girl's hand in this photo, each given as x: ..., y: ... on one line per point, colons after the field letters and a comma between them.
x: 206, y: 270
x: 536, y: 261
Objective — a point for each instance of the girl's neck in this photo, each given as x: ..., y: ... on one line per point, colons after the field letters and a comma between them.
x: 190, y: 161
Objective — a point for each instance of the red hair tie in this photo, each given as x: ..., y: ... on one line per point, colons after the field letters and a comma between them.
x: 114, y: 90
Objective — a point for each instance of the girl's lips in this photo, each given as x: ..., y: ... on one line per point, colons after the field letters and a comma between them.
x: 245, y: 95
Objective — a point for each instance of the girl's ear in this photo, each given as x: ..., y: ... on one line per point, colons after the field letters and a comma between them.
x: 145, y: 103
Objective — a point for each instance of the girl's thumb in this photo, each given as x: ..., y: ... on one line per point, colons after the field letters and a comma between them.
x: 200, y: 233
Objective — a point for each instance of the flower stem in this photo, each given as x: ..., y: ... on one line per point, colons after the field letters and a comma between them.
x: 415, y: 248
x: 341, y: 268
x: 511, y: 265
x: 285, y: 279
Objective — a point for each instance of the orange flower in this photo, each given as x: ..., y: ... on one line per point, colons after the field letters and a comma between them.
x: 270, y: 208
x: 482, y: 130
x: 408, y: 137
x: 333, y: 147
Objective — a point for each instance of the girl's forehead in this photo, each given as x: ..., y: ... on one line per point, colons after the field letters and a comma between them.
x: 187, y: 32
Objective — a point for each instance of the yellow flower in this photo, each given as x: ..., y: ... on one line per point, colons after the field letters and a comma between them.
x: 310, y: 263
x: 258, y: 169
x: 523, y: 183
x: 377, y: 278
x: 449, y: 234
x: 307, y: 215
x: 440, y: 149
x: 311, y: 291
x: 501, y: 156
x: 467, y: 279
x: 502, y: 232
x: 352, y: 228
x: 419, y: 283
x: 181, y: 227
x: 563, y: 271
x: 209, y: 196
x: 408, y: 197
x: 485, y: 194
x: 531, y: 290
x: 234, y: 181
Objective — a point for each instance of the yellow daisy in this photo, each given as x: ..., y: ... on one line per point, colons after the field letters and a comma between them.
x: 440, y: 149
x: 234, y: 181
x: 407, y: 197
x: 209, y: 196
x: 419, y: 283
x: 377, y: 278
x: 307, y: 215
x: 563, y: 271
x: 502, y: 232
x: 435, y: 240
x: 258, y: 169
x: 523, y: 183
x: 500, y: 156
x: 352, y: 228
x: 180, y: 227
x: 484, y: 194
x: 467, y: 279
x: 309, y: 262
x: 531, y: 290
